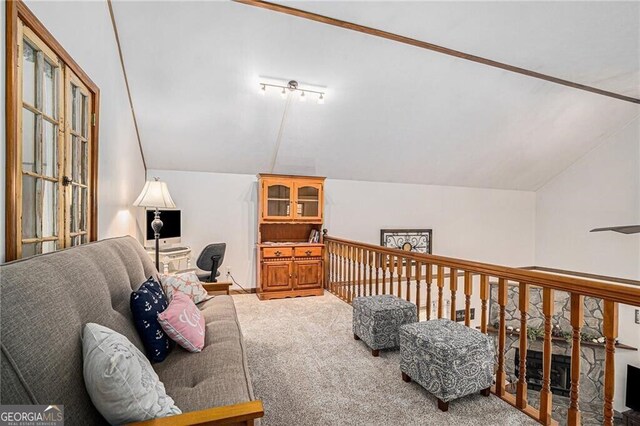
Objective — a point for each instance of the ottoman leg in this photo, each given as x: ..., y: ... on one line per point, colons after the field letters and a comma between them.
x: 485, y: 392
x: 406, y: 377
x: 375, y: 352
x: 355, y: 336
x: 443, y: 406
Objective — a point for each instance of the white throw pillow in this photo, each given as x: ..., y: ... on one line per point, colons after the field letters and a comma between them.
x: 120, y: 380
x: 185, y: 282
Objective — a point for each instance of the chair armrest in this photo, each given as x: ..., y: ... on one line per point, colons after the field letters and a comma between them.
x: 237, y: 414
x: 223, y: 286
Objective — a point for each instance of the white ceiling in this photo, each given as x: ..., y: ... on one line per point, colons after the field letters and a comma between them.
x: 393, y: 112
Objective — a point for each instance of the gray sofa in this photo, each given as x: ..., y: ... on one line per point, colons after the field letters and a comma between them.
x: 47, y: 299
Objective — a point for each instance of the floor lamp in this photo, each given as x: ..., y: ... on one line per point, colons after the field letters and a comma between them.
x: 155, y: 194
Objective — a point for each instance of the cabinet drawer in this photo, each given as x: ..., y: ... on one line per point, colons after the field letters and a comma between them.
x: 277, y: 252
x: 307, y: 251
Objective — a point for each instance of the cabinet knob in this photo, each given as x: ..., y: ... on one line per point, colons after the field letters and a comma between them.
x: 278, y: 253
x: 308, y: 252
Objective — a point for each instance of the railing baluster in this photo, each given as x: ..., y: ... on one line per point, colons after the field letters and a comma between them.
x: 429, y: 278
x: 391, y: 268
x: 440, y: 291
x: 331, y: 266
x: 502, y: 338
x: 362, y: 269
x: 546, y: 397
x: 341, y: 288
x: 418, y: 279
x: 610, y: 327
x: 399, y: 267
x: 377, y: 258
x: 484, y: 296
x: 365, y: 270
x: 577, y: 318
x: 453, y: 283
x: 409, y: 274
x: 358, y: 259
x: 325, y: 266
x: 521, y: 395
x: 468, y: 289
x: 350, y: 279
x: 370, y: 257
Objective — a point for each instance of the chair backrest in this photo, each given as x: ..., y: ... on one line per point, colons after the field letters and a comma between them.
x: 205, y: 260
x: 46, y: 301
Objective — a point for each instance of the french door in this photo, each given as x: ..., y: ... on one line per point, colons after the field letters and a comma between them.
x: 53, y: 151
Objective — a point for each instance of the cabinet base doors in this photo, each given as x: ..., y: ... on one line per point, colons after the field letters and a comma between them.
x: 308, y: 274
x: 277, y: 276
x: 290, y: 278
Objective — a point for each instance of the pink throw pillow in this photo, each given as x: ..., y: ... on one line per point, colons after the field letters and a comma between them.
x: 183, y: 322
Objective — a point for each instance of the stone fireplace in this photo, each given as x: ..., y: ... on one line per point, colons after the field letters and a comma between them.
x: 592, y: 355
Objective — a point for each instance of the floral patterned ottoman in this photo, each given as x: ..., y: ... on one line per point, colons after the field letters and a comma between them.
x: 376, y: 320
x: 448, y: 359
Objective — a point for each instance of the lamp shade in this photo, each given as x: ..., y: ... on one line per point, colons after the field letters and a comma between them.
x: 155, y: 194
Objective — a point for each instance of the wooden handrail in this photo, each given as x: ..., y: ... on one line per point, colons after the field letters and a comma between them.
x: 620, y: 293
x: 360, y: 269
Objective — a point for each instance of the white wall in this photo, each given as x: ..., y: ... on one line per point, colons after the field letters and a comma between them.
x: 601, y: 189
x: 85, y: 31
x: 488, y: 225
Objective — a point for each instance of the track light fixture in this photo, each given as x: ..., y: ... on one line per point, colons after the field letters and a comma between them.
x: 292, y: 86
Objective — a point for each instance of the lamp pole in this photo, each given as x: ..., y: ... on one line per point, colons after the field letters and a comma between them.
x: 156, y: 225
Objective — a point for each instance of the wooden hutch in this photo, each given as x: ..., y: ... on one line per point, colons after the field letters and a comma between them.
x: 290, y: 214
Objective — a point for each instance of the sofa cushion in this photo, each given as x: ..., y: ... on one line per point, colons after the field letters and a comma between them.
x: 120, y: 380
x: 184, y: 323
x: 46, y: 301
x: 218, y: 375
x: 146, y: 303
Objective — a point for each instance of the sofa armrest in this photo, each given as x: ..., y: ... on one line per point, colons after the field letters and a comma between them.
x: 237, y: 414
x: 222, y: 286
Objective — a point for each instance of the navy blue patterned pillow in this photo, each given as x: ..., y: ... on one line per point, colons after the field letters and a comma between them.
x: 146, y: 304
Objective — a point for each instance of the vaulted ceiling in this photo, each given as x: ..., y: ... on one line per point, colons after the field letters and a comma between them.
x: 393, y: 112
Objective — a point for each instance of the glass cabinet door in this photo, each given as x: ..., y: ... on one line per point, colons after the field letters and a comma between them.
x: 277, y: 196
x: 308, y: 197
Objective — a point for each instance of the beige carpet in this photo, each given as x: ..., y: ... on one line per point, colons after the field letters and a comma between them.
x: 308, y: 370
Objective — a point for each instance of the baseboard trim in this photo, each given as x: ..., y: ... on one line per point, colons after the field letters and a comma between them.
x: 249, y: 290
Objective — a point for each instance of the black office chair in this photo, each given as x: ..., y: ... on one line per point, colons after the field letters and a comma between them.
x: 209, y: 261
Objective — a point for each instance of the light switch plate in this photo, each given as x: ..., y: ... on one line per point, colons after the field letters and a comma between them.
x: 637, y: 316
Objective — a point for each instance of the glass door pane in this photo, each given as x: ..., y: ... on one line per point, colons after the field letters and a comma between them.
x: 77, y: 162
x: 38, y: 117
x: 308, y: 202
x: 278, y: 200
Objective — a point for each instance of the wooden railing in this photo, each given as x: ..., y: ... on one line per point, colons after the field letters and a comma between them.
x: 355, y: 269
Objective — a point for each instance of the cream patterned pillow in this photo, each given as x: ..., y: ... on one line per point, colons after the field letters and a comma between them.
x: 120, y: 380
x: 187, y: 283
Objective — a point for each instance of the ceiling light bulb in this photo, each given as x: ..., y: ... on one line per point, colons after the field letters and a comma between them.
x: 303, y: 98
x: 263, y: 90
x: 283, y: 93
x: 321, y: 99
